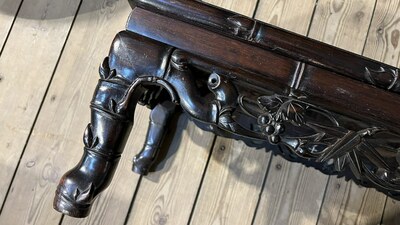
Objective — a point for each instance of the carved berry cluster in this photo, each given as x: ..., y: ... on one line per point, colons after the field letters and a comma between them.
x: 280, y: 109
x: 271, y: 127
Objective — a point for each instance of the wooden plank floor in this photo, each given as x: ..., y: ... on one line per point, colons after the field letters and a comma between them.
x: 49, y: 53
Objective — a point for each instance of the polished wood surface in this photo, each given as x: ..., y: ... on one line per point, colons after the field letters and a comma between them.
x: 52, y: 148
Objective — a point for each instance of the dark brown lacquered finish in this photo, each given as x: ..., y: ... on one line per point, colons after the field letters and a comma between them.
x: 275, y: 39
x: 243, y: 79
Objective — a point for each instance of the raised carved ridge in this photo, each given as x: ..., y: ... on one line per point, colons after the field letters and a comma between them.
x: 243, y: 27
x: 383, y: 77
x: 267, y: 36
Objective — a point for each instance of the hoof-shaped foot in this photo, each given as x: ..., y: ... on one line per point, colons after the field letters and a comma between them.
x: 74, y: 197
x: 143, y: 161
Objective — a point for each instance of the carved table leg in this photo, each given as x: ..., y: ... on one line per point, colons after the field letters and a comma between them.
x: 159, y: 119
x: 120, y: 88
x: 104, y: 140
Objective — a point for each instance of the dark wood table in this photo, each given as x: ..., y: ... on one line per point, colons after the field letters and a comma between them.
x: 242, y: 79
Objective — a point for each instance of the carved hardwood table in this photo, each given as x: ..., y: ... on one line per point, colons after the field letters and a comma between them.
x: 243, y: 79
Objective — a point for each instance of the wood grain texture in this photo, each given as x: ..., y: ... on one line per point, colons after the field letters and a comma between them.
x: 383, y: 45
x: 292, y: 195
x: 291, y: 15
x: 8, y: 10
x: 347, y: 203
x: 384, y: 35
x: 26, y: 66
x: 167, y: 195
x: 284, y: 194
x: 243, y: 7
x: 345, y: 24
x: 55, y: 144
x: 391, y: 215
x: 232, y: 184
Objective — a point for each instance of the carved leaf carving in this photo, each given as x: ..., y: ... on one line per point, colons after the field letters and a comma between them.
x: 341, y: 147
x: 112, y: 74
x: 306, y: 131
x: 384, y: 77
x: 88, y: 139
x: 104, y: 69
x: 354, y: 164
x: 293, y: 112
x: 113, y: 106
x: 105, y: 72
x: 284, y: 108
x: 270, y: 103
x: 85, y: 195
x: 326, y: 142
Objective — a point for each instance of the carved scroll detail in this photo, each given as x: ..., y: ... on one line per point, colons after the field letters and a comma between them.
x: 280, y: 110
x: 312, y: 133
x: 383, y: 77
